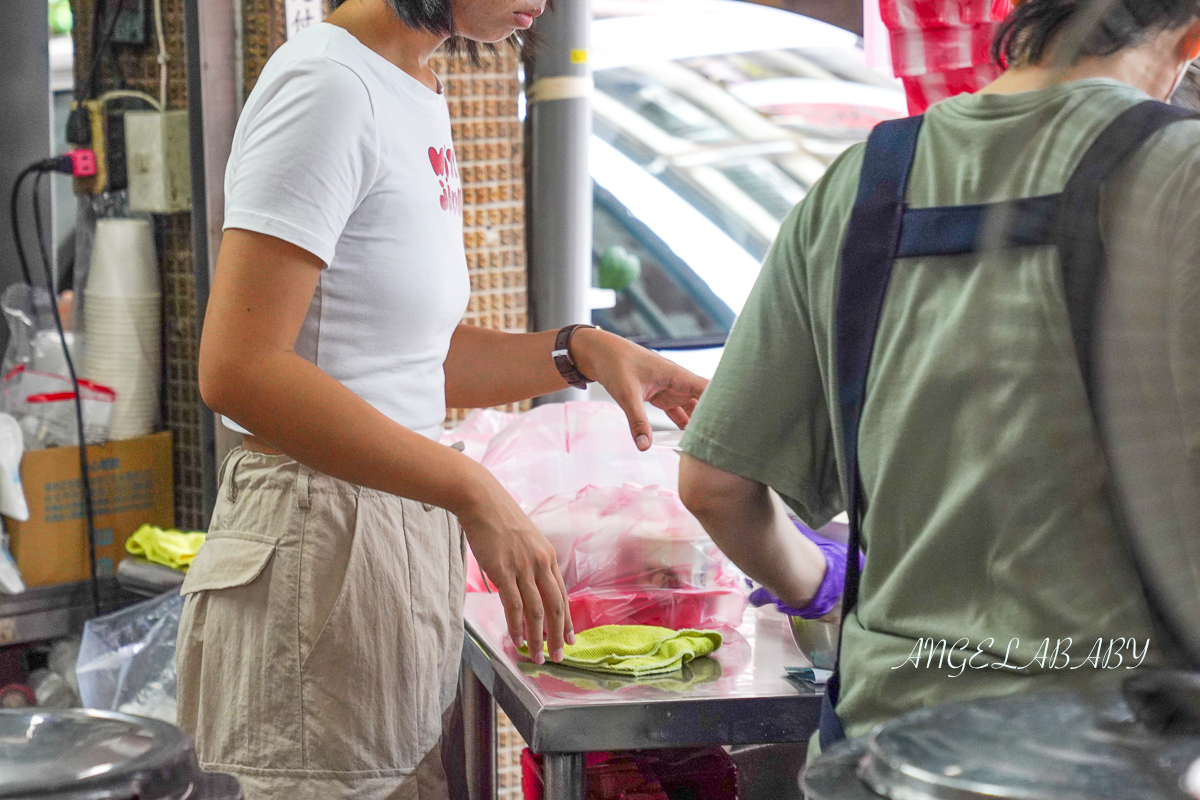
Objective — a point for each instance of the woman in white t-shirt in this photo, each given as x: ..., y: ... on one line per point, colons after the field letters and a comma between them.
x: 320, y: 642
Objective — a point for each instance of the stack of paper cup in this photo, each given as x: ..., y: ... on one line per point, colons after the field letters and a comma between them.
x: 122, y: 307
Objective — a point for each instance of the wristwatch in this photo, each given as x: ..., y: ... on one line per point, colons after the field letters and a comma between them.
x: 562, y: 357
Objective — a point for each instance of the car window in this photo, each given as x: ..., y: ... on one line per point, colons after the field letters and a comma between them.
x: 738, y: 137
x: 668, y: 305
x: 662, y: 107
x: 772, y: 188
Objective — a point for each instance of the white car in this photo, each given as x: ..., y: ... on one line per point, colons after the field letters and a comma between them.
x: 712, y: 118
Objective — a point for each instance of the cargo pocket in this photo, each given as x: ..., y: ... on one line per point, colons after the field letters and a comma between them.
x: 238, y: 681
x: 227, y: 561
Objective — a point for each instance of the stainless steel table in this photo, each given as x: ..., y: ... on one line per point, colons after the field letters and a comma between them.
x: 51, y: 612
x: 738, y: 696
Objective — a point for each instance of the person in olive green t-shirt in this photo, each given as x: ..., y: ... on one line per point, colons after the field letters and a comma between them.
x: 986, y: 523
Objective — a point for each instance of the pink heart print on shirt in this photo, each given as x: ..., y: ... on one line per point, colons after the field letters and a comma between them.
x: 445, y: 166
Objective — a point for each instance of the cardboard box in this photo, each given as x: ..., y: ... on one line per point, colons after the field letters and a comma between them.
x: 133, y: 482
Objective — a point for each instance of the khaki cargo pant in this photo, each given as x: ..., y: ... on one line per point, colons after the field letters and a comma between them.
x: 321, y: 636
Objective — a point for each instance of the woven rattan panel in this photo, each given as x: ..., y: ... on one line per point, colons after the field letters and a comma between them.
x: 488, y: 143
x: 138, y: 69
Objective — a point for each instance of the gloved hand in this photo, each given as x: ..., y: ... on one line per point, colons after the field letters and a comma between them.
x: 832, y: 585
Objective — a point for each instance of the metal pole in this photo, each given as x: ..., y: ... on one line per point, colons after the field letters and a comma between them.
x: 560, y: 186
x: 566, y: 778
x: 25, y: 114
x: 213, y: 89
x: 479, y: 734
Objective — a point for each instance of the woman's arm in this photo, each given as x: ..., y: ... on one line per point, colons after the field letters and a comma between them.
x: 751, y: 526
x: 250, y: 372
x: 490, y: 368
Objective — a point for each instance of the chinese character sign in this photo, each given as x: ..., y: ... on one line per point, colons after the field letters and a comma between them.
x: 302, y: 13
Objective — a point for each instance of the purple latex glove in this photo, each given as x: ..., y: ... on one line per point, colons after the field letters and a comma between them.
x: 832, y: 585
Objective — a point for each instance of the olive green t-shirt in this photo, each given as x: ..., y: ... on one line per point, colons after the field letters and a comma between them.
x: 986, y: 524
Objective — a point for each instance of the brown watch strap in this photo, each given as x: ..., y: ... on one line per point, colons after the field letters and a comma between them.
x: 562, y: 357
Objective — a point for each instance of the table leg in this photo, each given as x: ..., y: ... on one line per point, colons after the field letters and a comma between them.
x: 479, y: 724
x: 565, y: 776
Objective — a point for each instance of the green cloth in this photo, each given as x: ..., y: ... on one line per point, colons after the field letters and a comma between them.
x: 171, y: 548
x: 687, y: 676
x: 636, y: 650
x: 986, y: 519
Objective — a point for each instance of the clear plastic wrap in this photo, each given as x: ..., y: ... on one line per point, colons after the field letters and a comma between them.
x: 36, y: 389
x: 628, y: 536
x: 559, y: 448
x: 630, y: 553
x: 49, y: 417
x: 715, y: 607
x: 477, y: 431
x: 127, y: 659
x: 634, y: 555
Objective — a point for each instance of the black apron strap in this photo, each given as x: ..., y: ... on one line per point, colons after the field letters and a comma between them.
x: 956, y: 230
x: 1078, y: 232
x: 868, y: 252
x: 1081, y: 252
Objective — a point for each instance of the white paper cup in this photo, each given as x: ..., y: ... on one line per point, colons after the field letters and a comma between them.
x: 123, y: 259
x: 111, y: 301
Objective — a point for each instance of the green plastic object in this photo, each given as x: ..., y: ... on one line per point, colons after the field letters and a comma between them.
x: 61, y: 21
x: 618, y: 268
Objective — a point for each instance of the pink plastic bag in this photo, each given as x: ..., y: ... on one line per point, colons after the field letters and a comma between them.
x: 634, y: 555
x: 628, y: 537
x: 477, y: 431
x: 560, y: 448
x: 629, y: 551
x: 941, y: 48
x: 666, y: 608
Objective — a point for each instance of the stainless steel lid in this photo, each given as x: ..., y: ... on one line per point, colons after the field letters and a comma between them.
x: 1039, y: 746
x: 70, y: 754
x: 834, y: 776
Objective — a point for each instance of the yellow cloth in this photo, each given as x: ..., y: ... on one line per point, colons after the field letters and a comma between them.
x: 689, y: 675
x: 637, y: 650
x: 171, y: 548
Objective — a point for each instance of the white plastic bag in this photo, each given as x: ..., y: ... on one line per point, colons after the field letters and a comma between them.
x: 560, y: 448
x: 12, y: 449
x: 127, y: 659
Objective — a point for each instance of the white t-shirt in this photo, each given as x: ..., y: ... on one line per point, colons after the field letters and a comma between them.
x: 342, y: 153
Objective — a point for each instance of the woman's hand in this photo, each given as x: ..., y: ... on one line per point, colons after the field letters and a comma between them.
x: 634, y: 375
x: 516, y: 557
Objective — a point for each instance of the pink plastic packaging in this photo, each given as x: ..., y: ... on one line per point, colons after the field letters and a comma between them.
x: 629, y: 552
x: 628, y: 536
x: 667, y: 608
x: 476, y: 432
x: 634, y: 555
x: 559, y: 448
x: 941, y: 48
x: 916, y: 14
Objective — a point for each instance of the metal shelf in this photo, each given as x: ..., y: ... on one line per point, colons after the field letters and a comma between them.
x: 51, y: 612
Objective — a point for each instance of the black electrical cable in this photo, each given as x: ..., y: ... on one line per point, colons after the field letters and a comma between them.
x: 84, y: 476
x: 16, y: 223
x: 89, y: 88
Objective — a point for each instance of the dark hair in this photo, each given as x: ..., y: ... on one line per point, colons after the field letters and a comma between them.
x: 430, y: 15
x: 436, y: 16
x: 1030, y: 32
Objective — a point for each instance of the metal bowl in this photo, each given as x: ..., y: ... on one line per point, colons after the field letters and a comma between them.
x: 817, y: 640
